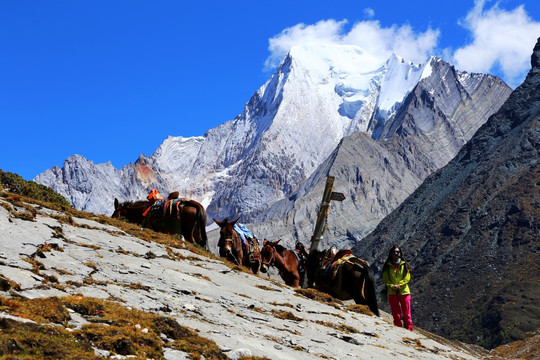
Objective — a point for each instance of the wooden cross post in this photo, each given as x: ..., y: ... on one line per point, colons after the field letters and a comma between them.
x: 320, y: 225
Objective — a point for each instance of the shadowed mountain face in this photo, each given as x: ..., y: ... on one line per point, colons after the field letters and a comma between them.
x: 471, y: 230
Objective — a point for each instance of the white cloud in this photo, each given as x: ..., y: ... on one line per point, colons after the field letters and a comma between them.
x: 382, y: 42
x: 502, y: 40
x: 369, y: 12
x: 323, y: 31
x: 369, y: 35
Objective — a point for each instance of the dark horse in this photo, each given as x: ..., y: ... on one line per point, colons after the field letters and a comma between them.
x: 231, y: 246
x: 290, y: 265
x: 177, y: 216
x: 343, y: 276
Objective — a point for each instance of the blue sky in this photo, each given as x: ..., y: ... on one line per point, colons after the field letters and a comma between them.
x: 112, y: 79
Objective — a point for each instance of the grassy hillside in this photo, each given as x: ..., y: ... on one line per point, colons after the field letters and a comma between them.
x: 15, y: 184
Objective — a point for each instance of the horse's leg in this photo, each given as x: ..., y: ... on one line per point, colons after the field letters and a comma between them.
x: 359, y: 283
x: 188, y: 221
x: 193, y: 226
x: 295, y: 279
x: 370, y: 293
x: 255, y: 266
x: 352, y: 283
x: 202, y: 227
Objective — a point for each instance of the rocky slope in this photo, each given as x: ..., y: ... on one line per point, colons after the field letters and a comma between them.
x: 471, y: 229
x: 48, y: 253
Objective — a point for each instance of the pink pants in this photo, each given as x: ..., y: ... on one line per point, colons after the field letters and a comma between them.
x: 401, y: 309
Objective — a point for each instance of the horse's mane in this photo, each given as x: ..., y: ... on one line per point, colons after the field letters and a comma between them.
x: 280, y: 248
x: 135, y: 202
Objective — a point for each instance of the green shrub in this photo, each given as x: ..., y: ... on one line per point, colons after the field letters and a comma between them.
x: 17, y: 185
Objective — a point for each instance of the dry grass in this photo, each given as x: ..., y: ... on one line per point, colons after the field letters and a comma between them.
x: 17, y: 202
x: 341, y: 327
x: 319, y: 296
x: 36, y: 265
x: 286, y: 315
x: 23, y: 216
x: 361, y: 309
x: 7, y: 284
x: 6, y: 206
x: 283, y: 304
x: 527, y: 349
x: 112, y: 327
x: 91, y: 265
x: 264, y: 287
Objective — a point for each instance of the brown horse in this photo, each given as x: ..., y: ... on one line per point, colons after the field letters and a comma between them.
x: 286, y: 261
x: 231, y: 246
x: 176, y: 216
x: 348, y: 278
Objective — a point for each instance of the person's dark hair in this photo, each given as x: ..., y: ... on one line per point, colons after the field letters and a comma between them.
x: 389, y: 259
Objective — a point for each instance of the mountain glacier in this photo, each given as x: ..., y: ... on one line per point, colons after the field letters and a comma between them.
x: 319, y: 95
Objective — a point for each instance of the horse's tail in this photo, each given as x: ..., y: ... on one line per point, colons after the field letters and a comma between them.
x: 371, y: 292
x: 202, y: 225
x: 201, y: 221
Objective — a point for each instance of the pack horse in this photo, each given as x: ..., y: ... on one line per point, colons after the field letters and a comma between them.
x: 343, y: 275
x: 290, y: 264
x: 184, y: 217
x: 238, y: 245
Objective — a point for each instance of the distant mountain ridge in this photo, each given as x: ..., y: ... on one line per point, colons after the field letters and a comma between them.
x: 319, y: 95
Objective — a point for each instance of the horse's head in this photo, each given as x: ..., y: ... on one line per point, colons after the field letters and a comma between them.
x: 227, y: 238
x: 268, y: 254
x: 132, y: 211
x: 119, y: 209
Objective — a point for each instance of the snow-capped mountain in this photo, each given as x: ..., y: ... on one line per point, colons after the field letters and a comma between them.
x: 319, y: 95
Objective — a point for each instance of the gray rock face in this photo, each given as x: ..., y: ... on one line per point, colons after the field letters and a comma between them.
x: 471, y: 229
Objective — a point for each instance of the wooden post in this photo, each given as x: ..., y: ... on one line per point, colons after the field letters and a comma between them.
x: 320, y: 227
x: 323, y: 214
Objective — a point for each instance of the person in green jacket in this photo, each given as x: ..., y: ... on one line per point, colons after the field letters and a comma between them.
x: 396, y: 276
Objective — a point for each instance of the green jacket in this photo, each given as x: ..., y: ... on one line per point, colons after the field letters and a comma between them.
x: 402, y: 277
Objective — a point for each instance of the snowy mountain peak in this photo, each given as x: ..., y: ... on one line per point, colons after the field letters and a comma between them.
x: 399, y: 79
x: 338, y: 59
x: 361, y: 86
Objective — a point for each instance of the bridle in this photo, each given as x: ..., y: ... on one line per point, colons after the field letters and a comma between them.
x: 230, y: 241
x: 117, y: 214
x: 272, y: 258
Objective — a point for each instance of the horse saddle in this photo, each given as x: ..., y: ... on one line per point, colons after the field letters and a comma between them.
x: 249, y: 242
x: 169, y: 208
x: 332, y: 255
x: 253, y: 251
x: 331, y: 263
